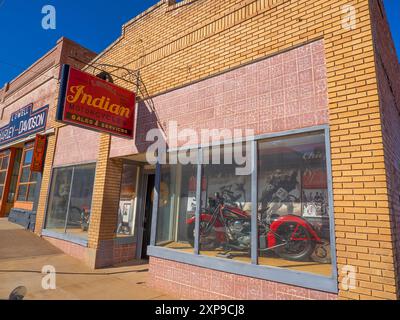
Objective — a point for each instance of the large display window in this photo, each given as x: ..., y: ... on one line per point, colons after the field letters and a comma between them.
x: 274, y: 222
x: 70, y: 200
x: 293, y: 204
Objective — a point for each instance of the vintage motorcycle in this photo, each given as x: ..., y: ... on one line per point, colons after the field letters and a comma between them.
x: 225, y: 225
x: 79, y: 216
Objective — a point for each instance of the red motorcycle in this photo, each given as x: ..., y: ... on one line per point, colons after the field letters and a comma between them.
x: 228, y: 227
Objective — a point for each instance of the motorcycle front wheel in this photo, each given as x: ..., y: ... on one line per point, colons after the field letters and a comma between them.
x: 207, y: 242
x: 299, y: 243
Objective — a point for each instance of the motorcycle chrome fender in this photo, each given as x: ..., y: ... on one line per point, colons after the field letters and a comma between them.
x: 271, y: 238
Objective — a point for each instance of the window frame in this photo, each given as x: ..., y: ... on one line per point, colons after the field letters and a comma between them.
x: 27, y: 147
x: 293, y: 277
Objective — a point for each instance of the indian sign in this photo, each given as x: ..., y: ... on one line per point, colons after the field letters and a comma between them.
x: 23, y: 123
x: 90, y: 102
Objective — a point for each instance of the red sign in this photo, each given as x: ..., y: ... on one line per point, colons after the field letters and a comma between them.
x: 90, y: 102
x: 39, y: 151
x: 314, y: 179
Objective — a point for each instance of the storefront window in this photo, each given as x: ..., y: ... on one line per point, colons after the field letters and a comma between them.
x: 70, y: 200
x: 80, y: 200
x: 27, y: 181
x: 59, y: 197
x: 293, y: 204
x: 225, y: 221
x: 177, y: 206
x: 128, y: 200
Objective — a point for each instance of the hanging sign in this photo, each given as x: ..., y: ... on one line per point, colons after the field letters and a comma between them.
x: 92, y: 103
x: 39, y: 151
x: 23, y: 123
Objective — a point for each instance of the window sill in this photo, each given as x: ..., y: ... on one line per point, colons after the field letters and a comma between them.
x: 65, y: 237
x: 297, y: 278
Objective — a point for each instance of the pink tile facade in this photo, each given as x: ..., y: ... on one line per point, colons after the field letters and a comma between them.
x: 71, y: 249
x: 76, y: 145
x: 185, y: 281
x: 287, y: 91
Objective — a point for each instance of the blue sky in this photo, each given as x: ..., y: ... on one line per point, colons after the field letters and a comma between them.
x: 93, y: 23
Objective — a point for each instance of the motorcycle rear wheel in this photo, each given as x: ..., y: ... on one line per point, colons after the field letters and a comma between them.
x: 295, y: 250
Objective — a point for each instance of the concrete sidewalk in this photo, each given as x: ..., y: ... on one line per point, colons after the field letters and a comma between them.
x: 23, y: 254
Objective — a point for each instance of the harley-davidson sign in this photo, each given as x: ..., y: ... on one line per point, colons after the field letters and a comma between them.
x: 90, y: 102
x: 23, y: 123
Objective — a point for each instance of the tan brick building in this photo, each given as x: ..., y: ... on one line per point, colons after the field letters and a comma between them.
x: 316, y: 219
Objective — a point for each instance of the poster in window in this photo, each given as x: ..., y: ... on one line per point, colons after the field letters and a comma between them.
x: 315, y: 202
x: 233, y: 188
x: 281, y: 191
x: 125, y: 216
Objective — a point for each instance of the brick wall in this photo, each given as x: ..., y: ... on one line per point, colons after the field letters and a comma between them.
x: 388, y: 74
x: 124, y: 252
x: 105, y: 202
x: 172, y: 48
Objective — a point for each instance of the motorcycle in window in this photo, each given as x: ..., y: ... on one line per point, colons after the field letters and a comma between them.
x: 79, y: 216
x: 228, y: 227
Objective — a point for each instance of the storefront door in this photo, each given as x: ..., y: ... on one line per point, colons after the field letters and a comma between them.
x: 148, y: 210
